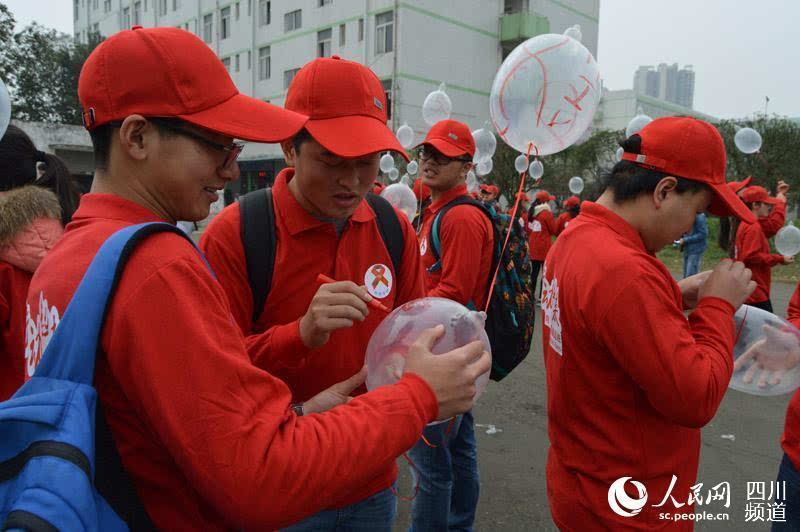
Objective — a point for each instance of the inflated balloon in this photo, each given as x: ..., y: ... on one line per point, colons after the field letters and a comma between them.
x: 412, y: 168
x: 405, y: 136
x: 484, y: 167
x: 394, y: 173
x: 521, y: 163
x: 437, y: 106
x: 619, y: 153
x: 387, y: 163
x: 485, y: 143
x: 574, y: 32
x: 392, y: 339
x: 748, y: 140
x: 401, y: 197
x: 536, y: 169
x: 5, y: 108
x: 576, y: 185
x: 545, y: 94
x: 766, y: 355
x: 405, y: 180
x: 503, y: 202
x: 637, y: 123
x: 787, y: 241
x: 472, y: 181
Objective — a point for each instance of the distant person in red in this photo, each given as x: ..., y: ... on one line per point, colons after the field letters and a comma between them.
x: 541, y: 228
x: 752, y: 247
x: 770, y: 223
x: 572, y: 207
x: 377, y: 188
x: 631, y: 379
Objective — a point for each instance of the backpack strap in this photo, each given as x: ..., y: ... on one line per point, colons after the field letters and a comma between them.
x: 257, y: 228
x: 433, y: 234
x: 390, y: 228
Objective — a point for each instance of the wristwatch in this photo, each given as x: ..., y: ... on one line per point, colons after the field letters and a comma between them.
x: 298, y: 408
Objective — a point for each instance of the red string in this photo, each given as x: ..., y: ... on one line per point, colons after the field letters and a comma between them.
x: 510, y: 225
x: 416, y: 488
x: 446, y: 433
x: 741, y: 326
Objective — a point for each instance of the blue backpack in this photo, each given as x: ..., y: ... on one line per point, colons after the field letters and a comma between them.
x: 59, y: 466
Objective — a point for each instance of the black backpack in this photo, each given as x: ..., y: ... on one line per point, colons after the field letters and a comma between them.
x: 257, y: 229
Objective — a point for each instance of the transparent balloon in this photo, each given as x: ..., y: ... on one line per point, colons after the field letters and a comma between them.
x: 5, y: 108
x: 485, y: 143
x: 401, y: 197
x: 766, y: 355
x: 637, y: 123
x: 405, y: 180
x: 484, y: 167
x: 394, y: 173
x: 618, y: 154
x: 545, y: 93
x: 748, y: 140
x: 521, y: 163
x: 472, y: 181
x: 387, y: 163
x: 437, y: 106
x: 787, y: 241
x: 574, y: 32
x: 392, y: 339
x: 412, y: 168
x: 405, y: 136
x: 576, y: 185
x: 503, y: 202
x: 536, y: 169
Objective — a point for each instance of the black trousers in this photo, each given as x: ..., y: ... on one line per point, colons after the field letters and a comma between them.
x: 536, y: 267
x: 763, y: 305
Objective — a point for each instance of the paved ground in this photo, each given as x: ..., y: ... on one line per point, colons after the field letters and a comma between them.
x: 512, y: 462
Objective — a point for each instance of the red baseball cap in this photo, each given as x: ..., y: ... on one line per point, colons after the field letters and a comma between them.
x: 168, y: 72
x: 451, y: 138
x: 758, y: 194
x: 692, y: 149
x: 346, y: 106
x: 522, y: 196
x: 736, y: 186
x: 544, y: 195
x: 572, y: 201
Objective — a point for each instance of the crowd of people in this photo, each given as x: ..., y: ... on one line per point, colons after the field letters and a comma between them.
x: 233, y: 410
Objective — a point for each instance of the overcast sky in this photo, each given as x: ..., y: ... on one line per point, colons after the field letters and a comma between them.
x: 741, y: 51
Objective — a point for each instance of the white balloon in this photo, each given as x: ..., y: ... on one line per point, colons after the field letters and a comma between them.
x: 576, y: 185
x: 485, y: 143
x: 748, y: 140
x: 619, y: 153
x: 574, y: 32
x: 405, y: 135
x: 536, y: 169
x: 787, y: 241
x: 637, y: 123
x: 484, y: 167
x: 394, y: 173
x: 412, y: 168
x: 405, y: 180
x: 387, y: 163
x: 5, y: 108
x: 521, y: 163
x: 401, y: 197
x: 437, y: 106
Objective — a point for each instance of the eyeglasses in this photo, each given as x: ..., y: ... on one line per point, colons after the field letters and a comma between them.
x: 231, y: 150
x: 427, y: 153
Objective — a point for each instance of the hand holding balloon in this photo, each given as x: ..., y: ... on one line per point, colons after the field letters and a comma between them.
x: 730, y: 281
x: 773, y: 355
x: 335, y: 306
x: 690, y: 288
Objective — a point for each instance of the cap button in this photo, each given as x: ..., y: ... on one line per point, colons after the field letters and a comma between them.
x: 335, y: 57
x: 137, y: 27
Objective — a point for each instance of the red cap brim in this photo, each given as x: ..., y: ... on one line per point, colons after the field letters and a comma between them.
x: 727, y: 203
x: 355, y: 136
x: 246, y: 118
x: 445, y: 148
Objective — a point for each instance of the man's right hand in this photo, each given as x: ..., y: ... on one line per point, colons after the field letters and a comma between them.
x: 730, y: 281
x: 335, y: 306
x: 451, y: 375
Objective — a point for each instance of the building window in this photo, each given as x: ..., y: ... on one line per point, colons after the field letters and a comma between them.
x: 227, y: 63
x: 76, y: 9
x: 288, y: 76
x: 237, y: 10
x: 264, y: 12
x: 360, y: 29
x: 293, y: 20
x: 237, y: 63
x: 176, y: 4
x: 324, y: 43
x: 95, y: 3
x: 249, y: 59
x: 208, y: 28
x: 162, y: 7
x: 137, y: 14
x: 342, y: 34
x: 325, y: 2
x: 225, y: 22
x: 384, y: 32
x: 106, y: 6
x: 387, y: 91
x: 264, y: 63
x: 126, y: 18
x: 249, y: 7
x: 145, y: 6
x: 96, y: 30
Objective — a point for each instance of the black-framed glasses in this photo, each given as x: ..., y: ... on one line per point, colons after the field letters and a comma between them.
x: 232, y: 150
x: 427, y: 153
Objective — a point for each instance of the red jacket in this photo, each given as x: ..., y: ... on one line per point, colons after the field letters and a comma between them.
x: 771, y: 224
x: 752, y: 248
x: 307, y: 247
x: 791, y: 427
x: 13, y: 290
x: 562, y: 222
x: 467, y: 242
x: 541, y: 230
x: 208, y: 438
x: 630, y: 380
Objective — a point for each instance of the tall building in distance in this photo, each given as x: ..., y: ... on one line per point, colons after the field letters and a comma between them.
x: 667, y: 82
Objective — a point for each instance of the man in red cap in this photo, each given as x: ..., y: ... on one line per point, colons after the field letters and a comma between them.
x: 206, y: 436
x: 449, y: 487
x: 572, y: 207
x: 752, y: 247
x: 541, y: 228
x: 630, y: 380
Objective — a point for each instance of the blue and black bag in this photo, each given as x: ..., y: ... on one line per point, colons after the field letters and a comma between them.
x: 59, y: 465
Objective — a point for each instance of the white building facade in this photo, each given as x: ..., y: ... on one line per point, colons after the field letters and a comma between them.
x: 617, y: 108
